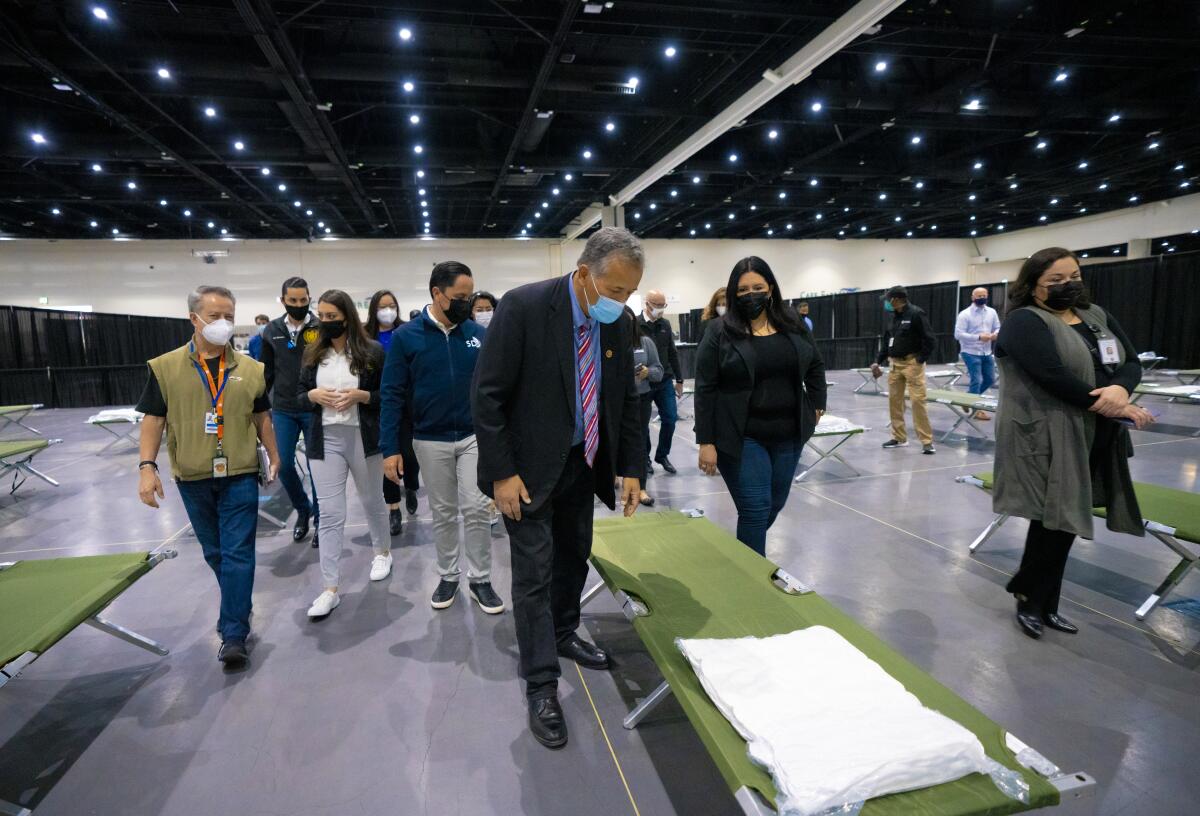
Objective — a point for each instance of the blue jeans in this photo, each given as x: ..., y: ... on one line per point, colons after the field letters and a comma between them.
x: 981, y: 368
x: 760, y: 484
x: 288, y: 427
x: 668, y: 414
x: 224, y: 517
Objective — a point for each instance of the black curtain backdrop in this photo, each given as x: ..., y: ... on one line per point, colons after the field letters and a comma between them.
x: 820, y: 312
x: 80, y: 359
x: 1125, y: 289
x: 1175, y: 333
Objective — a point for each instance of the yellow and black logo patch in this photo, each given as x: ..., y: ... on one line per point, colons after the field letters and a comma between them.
x: 310, y: 335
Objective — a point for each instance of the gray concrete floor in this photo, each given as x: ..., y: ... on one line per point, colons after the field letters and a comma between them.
x: 389, y: 707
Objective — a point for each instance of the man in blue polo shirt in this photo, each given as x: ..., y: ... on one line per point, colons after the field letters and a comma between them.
x: 431, y: 361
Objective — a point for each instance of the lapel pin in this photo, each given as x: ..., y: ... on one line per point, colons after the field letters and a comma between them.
x: 608, y: 354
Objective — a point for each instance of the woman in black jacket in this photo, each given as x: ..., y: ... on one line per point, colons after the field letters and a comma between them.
x: 760, y: 389
x: 339, y: 382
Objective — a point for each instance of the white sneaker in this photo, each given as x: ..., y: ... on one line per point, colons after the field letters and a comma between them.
x: 325, y: 603
x: 381, y: 566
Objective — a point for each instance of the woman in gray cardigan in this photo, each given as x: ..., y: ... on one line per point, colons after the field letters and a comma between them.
x: 1062, y: 428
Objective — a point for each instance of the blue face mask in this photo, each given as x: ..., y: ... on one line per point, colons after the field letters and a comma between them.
x: 887, y: 306
x: 981, y: 301
x: 605, y: 309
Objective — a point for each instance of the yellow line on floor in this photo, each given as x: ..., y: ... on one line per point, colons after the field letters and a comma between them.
x: 956, y: 551
x: 611, y: 751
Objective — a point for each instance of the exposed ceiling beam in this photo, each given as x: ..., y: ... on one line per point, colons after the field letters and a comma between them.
x: 273, y: 41
x: 549, y: 60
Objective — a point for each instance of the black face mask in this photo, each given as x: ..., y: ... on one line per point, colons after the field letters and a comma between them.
x: 1062, y: 296
x: 333, y: 329
x: 752, y: 304
x: 458, y: 311
x: 981, y: 301
x: 296, y: 312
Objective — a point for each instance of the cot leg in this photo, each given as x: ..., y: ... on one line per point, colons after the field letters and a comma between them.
x: 987, y: 532
x: 126, y: 635
x: 1186, y: 562
x: 1076, y: 785
x: 751, y: 803
x: 32, y: 471
x: 646, y: 706
x: 8, y: 420
x: 590, y: 594
x: 9, y: 809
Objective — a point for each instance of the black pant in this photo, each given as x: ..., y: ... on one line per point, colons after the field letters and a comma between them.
x: 646, y: 405
x: 550, y: 547
x: 412, y: 470
x: 1040, y: 577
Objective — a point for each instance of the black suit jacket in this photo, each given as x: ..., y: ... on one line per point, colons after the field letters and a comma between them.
x: 368, y: 412
x: 725, y: 380
x: 523, y: 399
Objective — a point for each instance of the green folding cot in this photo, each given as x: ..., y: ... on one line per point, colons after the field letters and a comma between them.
x: 839, y: 432
x: 15, y: 414
x: 1171, y: 392
x: 1169, y: 515
x: 16, y: 456
x: 676, y: 575
x: 963, y: 406
x: 42, y: 601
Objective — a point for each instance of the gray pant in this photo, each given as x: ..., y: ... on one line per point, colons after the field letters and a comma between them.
x: 451, y: 476
x: 344, y: 457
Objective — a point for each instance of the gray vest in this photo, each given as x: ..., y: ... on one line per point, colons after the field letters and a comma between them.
x: 1042, y: 469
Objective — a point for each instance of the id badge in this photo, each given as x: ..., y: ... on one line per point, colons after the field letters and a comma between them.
x: 1108, y: 351
x: 210, y: 422
x: 891, y: 340
x: 220, y: 467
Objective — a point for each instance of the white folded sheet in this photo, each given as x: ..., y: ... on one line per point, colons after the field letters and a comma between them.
x: 116, y: 415
x: 829, y: 724
x: 835, y: 424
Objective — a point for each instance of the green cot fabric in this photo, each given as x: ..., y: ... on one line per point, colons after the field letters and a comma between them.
x: 41, y: 601
x: 15, y: 447
x: 16, y: 409
x: 851, y: 432
x: 1165, y: 505
x: 960, y: 398
x: 698, y: 581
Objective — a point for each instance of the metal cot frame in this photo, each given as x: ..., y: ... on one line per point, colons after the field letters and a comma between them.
x: 22, y: 469
x: 830, y: 453
x: 129, y: 435
x: 964, y: 410
x: 15, y: 418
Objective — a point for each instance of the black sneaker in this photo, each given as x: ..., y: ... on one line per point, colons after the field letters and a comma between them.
x: 486, y: 597
x: 410, y: 501
x: 443, y: 596
x: 928, y: 450
x: 395, y: 522
x: 895, y: 443
x: 233, y: 654
x: 316, y: 537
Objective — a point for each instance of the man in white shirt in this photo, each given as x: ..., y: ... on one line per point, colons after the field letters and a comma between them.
x: 976, y: 330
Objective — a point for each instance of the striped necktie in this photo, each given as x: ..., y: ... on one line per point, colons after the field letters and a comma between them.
x: 586, y: 363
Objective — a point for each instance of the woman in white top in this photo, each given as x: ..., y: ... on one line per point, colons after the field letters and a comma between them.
x: 339, y: 381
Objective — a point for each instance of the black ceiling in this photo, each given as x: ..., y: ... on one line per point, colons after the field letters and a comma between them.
x: 315, y: 91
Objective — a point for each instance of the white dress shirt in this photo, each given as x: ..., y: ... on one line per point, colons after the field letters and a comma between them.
x: 334, y: 372
x: 972, y: 322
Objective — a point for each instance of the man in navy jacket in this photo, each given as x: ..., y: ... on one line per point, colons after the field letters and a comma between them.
x: 431, y: 360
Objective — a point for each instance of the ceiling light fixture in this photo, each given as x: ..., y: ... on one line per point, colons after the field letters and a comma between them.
x: 224, y: 231
x: 266, y: 171
x: 812, y: 182
x: 93, y: 224
x: 1061, y: 76
x: 632, y: 83
x: 415, y: 119
x: 973, y: 105
x: 1041, y: 145
x: 569, y: 177
x: 210, y: 112
x: 772, y: 134
x: 308, y: 212
x: 418, y: 149
x: 674, y: 193
x: 239, y: 145
x: 421, y: 192
x: 1083, y: 165
x: 100, y: 13
x: 163, y: 73
x: 37, y: 138
x: 420, y: 174
x: 915, y: 140
x: 587, y: 154
x: 406, y: 34
x: 1054, y: 201
x: 978, y: 165
x: 132, y: 185
x: 56, y: 211
x: 881, y: 66
x: 733, y: 157
x: 282, y: 188
x: 295, y: 203
x: 162, y: 202
x: 816, y: 107
x: 96, y: 168
x: 610, y: 126
x: 187, y: 213
x: 669, y: 51
x: 1116, y: 117
x: 883, y: 196
x: 695, y: 179
x: 408, y: 86
x: 920, y: 185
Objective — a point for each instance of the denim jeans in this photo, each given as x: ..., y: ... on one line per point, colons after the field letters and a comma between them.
x: 663, y: 395
x: 288, y: 427
x: 981, y: 368
x: 224, y: 517
x: 760, y: 484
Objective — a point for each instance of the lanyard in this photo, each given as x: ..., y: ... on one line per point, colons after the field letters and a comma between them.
x: 217, y: 393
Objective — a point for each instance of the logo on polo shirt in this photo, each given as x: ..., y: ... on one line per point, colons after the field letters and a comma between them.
x: 474, y: 343
x: 310, y: 335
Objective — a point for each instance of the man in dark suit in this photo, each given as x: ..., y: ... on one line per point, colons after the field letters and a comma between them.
x: 556, y: 419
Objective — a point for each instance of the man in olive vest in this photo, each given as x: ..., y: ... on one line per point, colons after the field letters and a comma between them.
x: 212, y: 403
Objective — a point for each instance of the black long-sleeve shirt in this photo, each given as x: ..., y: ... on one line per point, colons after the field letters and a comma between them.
x: 1028, y: 340
x: 910, y: 333
x: 664, y: 341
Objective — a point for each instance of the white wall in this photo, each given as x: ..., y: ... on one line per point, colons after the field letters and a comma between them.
x: 152, y: 277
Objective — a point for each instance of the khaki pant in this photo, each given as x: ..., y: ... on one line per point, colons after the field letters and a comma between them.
x: 906, y: 372
x: 450, y: 470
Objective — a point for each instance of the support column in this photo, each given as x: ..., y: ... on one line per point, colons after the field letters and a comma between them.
x: 1139, y: 248
x: 612, y: 216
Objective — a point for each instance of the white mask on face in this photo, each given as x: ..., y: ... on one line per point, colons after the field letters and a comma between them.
x: 387, y: 317
x: 484, y: 318
x: 217, y: 332
x: 720, y: 311
x: 657, y: 313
